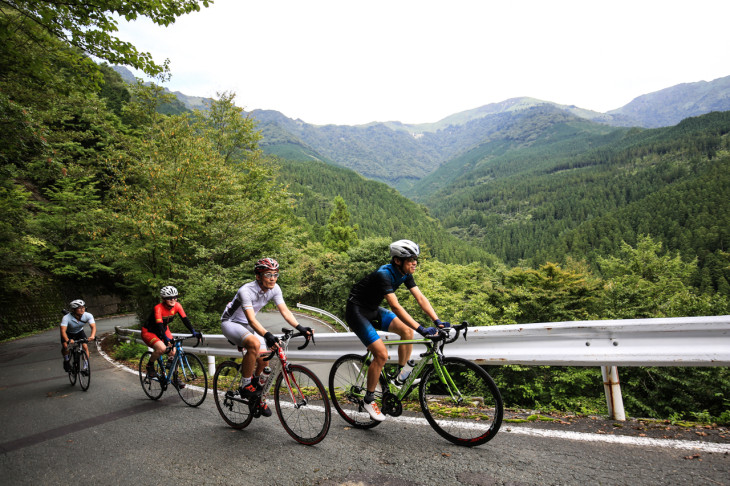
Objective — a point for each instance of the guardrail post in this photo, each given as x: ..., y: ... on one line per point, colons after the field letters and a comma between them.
x: 612, y: 386
x: 211, y: 366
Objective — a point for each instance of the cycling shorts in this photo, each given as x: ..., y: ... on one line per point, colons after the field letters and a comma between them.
x: 75, y: 336
x: 236, y: 333
x: 150, y: 338
x: 365, y: 322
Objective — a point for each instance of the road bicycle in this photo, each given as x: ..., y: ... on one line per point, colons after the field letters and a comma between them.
x: 184, y: 371
x: 299, y: 396
x: 79, y: 366
x: 458, y: 397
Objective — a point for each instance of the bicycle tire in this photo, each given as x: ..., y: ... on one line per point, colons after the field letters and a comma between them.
x: 473, y: 419
x: 305, y: 412
x: 84, y: 371
x: 151, y: 386
x: 190, y: 372
x: 347, y: 386
x: 72, y: 373
x: 226, y: 381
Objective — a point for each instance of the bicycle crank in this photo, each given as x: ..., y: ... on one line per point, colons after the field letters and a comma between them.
x: 392, y: 405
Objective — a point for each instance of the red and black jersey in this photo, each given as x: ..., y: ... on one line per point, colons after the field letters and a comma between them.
x: 161, y: 317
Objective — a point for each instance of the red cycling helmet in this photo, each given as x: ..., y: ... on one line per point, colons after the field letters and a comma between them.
x: 266, y: 265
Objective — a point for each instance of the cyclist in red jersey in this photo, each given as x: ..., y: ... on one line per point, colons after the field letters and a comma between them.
x: 156, y: 332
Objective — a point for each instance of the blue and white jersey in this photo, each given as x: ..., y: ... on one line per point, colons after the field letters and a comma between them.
x: 250, y: 296
x: 74, y: 325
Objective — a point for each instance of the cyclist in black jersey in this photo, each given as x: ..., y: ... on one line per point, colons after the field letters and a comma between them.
x: 364, y: 314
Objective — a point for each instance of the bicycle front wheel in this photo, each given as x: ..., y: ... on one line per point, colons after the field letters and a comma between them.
x: 347, y: 383
x: 463, y: 404
x: 151, y: 386
x: 226, y: 383
x: 190, y: 380
x: 84, y: 372
x: 302, y: 405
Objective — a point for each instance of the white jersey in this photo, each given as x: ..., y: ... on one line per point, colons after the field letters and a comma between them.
x: 74, y: 325
x: 250, y: 296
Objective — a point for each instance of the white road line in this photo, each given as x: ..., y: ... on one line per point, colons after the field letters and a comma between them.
x: 621, y: 439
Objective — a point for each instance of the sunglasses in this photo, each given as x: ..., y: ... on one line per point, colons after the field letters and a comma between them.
x: 271, y: 275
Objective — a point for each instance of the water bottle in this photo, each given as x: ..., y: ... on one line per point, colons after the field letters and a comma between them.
x: 404, y: 372
x: 264, y: 376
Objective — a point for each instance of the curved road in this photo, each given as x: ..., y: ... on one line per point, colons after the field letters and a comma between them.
x: 54, y: 433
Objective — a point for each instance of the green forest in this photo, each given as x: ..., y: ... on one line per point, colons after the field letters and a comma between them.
x: 116, y: 188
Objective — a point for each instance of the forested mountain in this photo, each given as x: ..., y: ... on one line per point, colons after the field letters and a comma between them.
x: 525, y: 138
x: 378, y: 210
x: 401, y: 154
x: 583, y: 195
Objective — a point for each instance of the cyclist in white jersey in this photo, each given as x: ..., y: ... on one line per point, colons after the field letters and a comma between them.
x: 72, y: 328
x: 240, y: 326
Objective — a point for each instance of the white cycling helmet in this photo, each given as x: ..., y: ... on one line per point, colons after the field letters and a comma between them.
x: 75, y: 304
x: 404, y: 249
x: 168, y: 292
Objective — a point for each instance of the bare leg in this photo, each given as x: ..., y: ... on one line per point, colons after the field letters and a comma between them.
x: 405, y: 332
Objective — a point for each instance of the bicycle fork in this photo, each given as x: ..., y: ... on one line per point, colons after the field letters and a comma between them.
x: 448, y: 383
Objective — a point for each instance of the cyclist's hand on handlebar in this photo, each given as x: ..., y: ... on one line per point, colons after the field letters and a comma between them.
x: 199, y: 336
x: 442, y: 324
x: 271, y: 340
x: 426, y: 331
x: 307, y: 331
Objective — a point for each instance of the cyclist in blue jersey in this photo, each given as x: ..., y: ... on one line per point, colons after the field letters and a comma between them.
x: 72, y: 328
x: 364, y: 314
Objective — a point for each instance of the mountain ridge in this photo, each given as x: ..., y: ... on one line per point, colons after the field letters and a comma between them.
x: 401, y: 154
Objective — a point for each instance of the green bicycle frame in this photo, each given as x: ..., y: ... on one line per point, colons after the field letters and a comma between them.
x: 427, y: 358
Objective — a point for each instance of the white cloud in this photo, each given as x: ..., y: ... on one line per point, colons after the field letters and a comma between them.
x: 354, y: 61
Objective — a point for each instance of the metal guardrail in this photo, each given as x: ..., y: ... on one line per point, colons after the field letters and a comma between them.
x: 682, y: 341
x: 325, y: 313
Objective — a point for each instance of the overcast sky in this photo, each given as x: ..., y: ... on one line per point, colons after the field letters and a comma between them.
x: 418, y: 61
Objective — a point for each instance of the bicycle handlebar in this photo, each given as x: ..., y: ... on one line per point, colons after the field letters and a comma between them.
x: 443, y: 333
x: 289, y: 334
x: 176, y: 340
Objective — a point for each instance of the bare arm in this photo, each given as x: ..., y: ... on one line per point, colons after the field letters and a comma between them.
x: 289, y: 317
x: 93, y: 330
x: 424, y: 303
x: 251, y: 316
x: 398, y: 309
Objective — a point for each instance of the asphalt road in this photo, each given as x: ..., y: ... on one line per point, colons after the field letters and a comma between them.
x: 55, y: 433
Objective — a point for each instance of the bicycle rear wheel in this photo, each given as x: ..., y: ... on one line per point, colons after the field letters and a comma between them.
x: 84, y: 371
x: 72, y: 368
x: 347, y: 383
x: 226, y: 382
x: 302, y: 406
x: 190, y: 380
x: 464, y: 405
x: 151, y: 386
